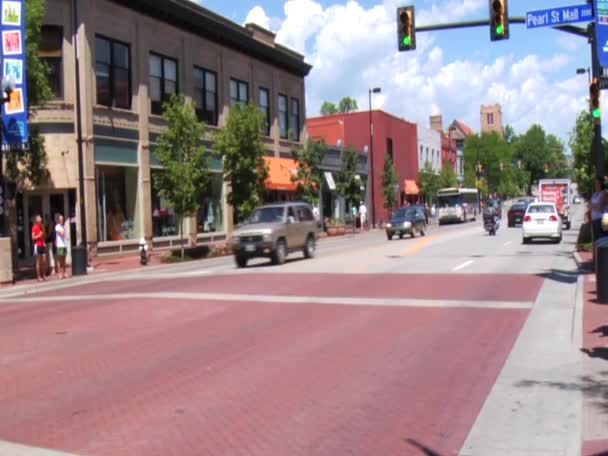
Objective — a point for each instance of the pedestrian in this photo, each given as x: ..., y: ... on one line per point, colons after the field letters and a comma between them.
x: 363, y: 214
x: 49, y: 238
x: 62, y: 247
x: 598, y: 205
x: 38, y: 238
x: 433, y: 212
x: 427, y: 212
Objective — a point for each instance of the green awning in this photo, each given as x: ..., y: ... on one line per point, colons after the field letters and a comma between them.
x: 115, y: 152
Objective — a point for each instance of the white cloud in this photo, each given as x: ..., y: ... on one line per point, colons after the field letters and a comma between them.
x: 258, y: 16
x: 353, y: 48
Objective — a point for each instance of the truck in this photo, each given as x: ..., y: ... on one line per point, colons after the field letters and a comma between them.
x: 557, y: 191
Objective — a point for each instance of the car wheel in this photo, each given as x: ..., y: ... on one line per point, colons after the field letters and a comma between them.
x: 400, y: 235
x: 525, y: 241
x: 389, y: 236
x: 422, y: 233
x: 280, y: 253
x: 568, y: 225
x: 558, y: 240
x: 413, y: 233
x: 310, y: 247
x: 241, y: 261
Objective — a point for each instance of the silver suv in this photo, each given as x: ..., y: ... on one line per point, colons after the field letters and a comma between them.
x: 274, y: 231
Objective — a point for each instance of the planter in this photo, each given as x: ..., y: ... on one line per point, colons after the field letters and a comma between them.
x: 341, y: 230
x: 332, y: 231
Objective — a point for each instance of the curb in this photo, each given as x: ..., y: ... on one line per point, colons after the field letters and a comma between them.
x: 583, y: 266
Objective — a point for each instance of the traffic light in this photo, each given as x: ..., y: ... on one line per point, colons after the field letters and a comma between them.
x: 594, y: 97
x: 499, y: 20
x: 406, y: 28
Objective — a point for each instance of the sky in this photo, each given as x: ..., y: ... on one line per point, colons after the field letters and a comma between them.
x: 352, y: 45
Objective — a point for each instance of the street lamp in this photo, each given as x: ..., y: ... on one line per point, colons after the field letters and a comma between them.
x: 583, y: 71
x: 371, y: 155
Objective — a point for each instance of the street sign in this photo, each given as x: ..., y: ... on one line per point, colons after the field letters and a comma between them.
x: 559, y: 16
x: 601, y: 31
x: 603, y: 83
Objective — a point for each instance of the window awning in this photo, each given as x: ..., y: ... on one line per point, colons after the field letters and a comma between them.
x: 280, y: 172
x: 411, y: 187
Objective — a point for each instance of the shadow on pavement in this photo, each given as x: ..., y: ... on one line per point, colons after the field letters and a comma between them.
x: 603, y: 330
x: 596, y: 352
x: 423, y: 449
x: 560, y: 275
x: 269, y: 263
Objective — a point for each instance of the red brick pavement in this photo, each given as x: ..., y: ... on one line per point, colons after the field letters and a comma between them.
x: 194, y: 378
x: 483, y: 287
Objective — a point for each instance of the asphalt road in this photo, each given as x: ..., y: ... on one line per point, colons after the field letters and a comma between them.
x: 444, y: 344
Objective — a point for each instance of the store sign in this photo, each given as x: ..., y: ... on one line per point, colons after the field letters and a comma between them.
x: 15, y: 131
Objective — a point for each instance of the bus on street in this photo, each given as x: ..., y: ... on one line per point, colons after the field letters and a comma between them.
x: 457, y: 205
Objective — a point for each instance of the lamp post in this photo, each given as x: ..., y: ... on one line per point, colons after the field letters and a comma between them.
x: 371, y: 154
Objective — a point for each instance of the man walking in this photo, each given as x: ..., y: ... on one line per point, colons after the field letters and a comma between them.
x: 39, y: 248
x: 60, y: 243
x: 363, y: 215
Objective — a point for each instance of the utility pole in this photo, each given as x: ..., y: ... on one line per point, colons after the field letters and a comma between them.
x: 596, y: 72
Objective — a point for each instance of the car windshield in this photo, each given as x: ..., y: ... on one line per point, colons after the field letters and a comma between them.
x: 405, y: 212
x: 519, y: 207
x: 541, y: 209
x: 267, y: 215
x: 449, y: 200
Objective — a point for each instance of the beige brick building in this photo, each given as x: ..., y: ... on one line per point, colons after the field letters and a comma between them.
x: 134, y: 54
x: 491, y: 119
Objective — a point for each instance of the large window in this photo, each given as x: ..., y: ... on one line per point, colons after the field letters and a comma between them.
x: 239, y: 92
x: 389, y: 148
x: 112, y: 73
x: 164, y: 220
x: 283, y: 125
x: 211, y: 216
x: 117, y: 211
x: 51, y: 44
x: 265, y: 108
x: 294, y: 120
x: 163, y: 81
x: 205, y: 95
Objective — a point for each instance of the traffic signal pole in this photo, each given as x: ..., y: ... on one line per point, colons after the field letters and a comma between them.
x: 596, y: 72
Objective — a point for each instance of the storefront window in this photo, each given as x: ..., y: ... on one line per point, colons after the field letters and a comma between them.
x: 118, y: 215
x: 211, y: 214
x: 164, y: 220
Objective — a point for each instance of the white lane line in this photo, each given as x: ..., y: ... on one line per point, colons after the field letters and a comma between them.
x: 508, y: 243
x: 463, y: 265
x: 282, y: 299
x: 15, y: 449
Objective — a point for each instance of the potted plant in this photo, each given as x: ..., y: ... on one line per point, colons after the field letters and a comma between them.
x: 332, y: 228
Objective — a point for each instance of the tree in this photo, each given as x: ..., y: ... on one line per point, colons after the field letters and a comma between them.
x: 348, y: 104
x: 389, y: 183
x: 309, y: 177
x: 29, y: 167
x: 447, y: 177
x: 180, y: 151
x: 347, y: 185
x: 328, y: 108
x: 428, y: 181
x: 241, y: 146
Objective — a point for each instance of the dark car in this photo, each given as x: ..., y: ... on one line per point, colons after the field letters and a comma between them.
x: 516, y: 214
x: 407, y: 220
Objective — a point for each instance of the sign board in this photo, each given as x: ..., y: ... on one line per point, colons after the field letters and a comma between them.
x: 559, y: 16
x: 15, y: 131
x: 601, y: 31
x: 329, y: 178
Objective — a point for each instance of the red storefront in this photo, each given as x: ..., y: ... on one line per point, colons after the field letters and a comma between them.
x: 391, y: 135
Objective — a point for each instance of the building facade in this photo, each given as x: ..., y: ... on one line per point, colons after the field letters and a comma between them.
x: 459, y: 131
x: 491, y: 119
x: 391, y: 136
x: 449, y: 153
x: 429, y: 148
x: 132, y: 56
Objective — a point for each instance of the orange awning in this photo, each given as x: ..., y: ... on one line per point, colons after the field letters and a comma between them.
x: 411, y: 187
x: 280, y: 172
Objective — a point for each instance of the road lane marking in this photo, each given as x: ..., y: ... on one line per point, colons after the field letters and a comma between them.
x: 508, y: 243
x: 15, y: 449
x: 422, y: 243
x: 462, y: 266
x: 282, y: 299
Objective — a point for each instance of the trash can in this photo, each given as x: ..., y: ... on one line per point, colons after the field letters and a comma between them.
x: 601, y: 269
x: 79, y: 260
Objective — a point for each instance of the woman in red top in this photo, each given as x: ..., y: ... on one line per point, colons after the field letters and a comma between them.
x: 39, y: 248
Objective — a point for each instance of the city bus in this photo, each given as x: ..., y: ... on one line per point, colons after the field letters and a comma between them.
x: 457, y: 205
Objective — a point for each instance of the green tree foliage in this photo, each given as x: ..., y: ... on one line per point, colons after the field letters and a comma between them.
x: 180, y: 151
x: 389, y: 183
x: 347, y: 185
x: 428, y: 181
x: 240, y: 144
x: 348, y: 104
x: 447, y: 177
x: 309, y: 177
x: 581, y: 140
x: 29, y: 167
x: 328, y: 108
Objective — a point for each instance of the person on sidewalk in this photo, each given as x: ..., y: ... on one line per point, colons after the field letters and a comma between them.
x: 62, y: 247
x: 598, y: 205
x: 363, y: 215
x: 39, y: 248
x: 49, y: 240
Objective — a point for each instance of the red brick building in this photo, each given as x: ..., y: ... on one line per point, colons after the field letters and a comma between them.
x: 391, y: 135
x: 449, y: 151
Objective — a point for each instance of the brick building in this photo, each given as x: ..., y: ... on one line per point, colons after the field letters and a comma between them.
x: 391, y: 135
x: 491, y: 119
x: 449, y: 152
x: 459, y: 132
x: 133, y: 54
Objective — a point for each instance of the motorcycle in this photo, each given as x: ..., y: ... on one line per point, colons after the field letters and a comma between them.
x: 491, y: 225
x: 144, y: 256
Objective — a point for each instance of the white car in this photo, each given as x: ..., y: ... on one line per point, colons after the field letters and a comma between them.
x: 541, y: 221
